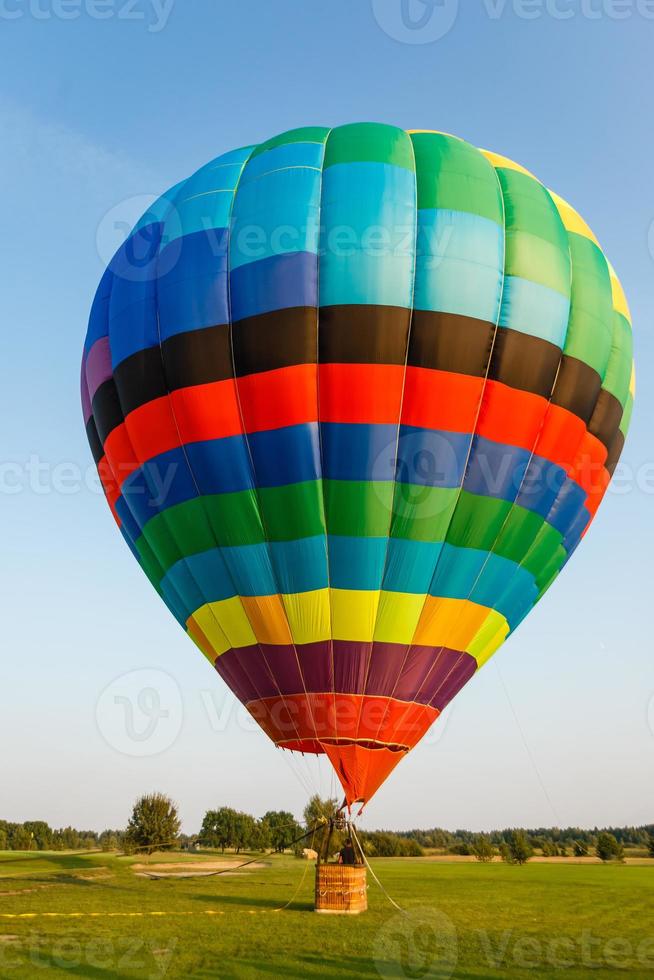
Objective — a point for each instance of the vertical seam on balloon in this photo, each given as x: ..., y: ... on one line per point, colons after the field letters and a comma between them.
x: 192, y: 475
x: 256, y: 492
x: 397, y: 443
x: 514, y: 504
x: 439, y: 653
x: 182, y: 447
x: 536, y: 439
x: 320, y: 446
x: 134, y: 453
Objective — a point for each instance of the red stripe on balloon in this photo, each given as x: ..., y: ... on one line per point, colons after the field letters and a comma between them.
x: 366, y: 393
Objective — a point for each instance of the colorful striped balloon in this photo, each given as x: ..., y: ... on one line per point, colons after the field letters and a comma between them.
x: 355, y: 395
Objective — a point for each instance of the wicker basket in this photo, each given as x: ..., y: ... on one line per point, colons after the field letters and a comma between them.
x: 341, y: 889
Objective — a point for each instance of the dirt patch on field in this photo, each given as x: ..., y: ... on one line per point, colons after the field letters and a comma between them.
x: 195, y: 869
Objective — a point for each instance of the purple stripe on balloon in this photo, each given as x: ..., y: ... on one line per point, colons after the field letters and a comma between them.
x: 86, y: 398
x: 426, y: 675
x: 98, y: 365
x: 451, y: 681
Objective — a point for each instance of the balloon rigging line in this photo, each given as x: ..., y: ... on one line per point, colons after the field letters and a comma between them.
x: 526, y: 745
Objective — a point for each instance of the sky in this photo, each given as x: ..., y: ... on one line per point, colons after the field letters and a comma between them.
x: 103, y: 105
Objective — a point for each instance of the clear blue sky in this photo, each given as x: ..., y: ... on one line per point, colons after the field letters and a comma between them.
x: 96, y: 113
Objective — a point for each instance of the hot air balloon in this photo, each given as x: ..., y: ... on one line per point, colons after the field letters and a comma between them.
x: 355, y: 396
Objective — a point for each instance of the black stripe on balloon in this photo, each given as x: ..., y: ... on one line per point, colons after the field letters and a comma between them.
x: 106, y: 409
x: 525, y: 362
x: 363, y: 334
x: 450, y: 342
x: 139, y: 379
x: 94, y: 440
x: 577, y: 388
x: 355, y: 334
x: 615, y: 452
x: 606, y: 418
x: 274, y: 340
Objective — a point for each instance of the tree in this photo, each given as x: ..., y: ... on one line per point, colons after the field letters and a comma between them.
x: 580, y: 849
x: 516, y: 849
x: 260, y: 836
x: 318, y: 810
x: 282, y: 827
x: 482, y: 848
x: 154, y: 823
x: 607, y: 847
x: 22, y: 839
x: 109, y: 840
x: 219, y: 828
x: 650, y: 845
x: 41, y: 833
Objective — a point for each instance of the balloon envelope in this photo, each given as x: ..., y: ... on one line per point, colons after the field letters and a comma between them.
x: 355, y: 395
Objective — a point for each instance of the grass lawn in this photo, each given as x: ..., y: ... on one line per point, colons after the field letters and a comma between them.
x: 463, y: 920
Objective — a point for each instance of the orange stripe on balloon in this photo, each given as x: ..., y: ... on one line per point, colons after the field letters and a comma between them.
x: 366, y: 393
x: 274, y: 399
x: 441, y: 399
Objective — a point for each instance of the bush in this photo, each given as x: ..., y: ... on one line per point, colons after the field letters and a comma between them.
x: 482, y: 848
x: 516, y: 849
x: 607, y: 848
x: 153, y: 825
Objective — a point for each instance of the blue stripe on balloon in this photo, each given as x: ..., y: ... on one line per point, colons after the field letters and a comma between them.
x: 432, y: 458
x: 534, y: 309
x: 459, y: 264
x: 275, y: 283
x: 356, y: 563
x: 286, y: 155
x: 356, y: 451
x: 284, y: 456
x: 367, y: 244
x: 275, y: 215
x: 410, y: 565
x: 192, y: 287
x: 300, y: 566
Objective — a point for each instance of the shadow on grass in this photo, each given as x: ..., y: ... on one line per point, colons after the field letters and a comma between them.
x: 247, y: 902
x: 306, y: 965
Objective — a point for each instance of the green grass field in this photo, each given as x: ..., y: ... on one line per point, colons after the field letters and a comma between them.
x: 462, y: 920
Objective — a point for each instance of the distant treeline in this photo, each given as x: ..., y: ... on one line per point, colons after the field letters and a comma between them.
x: 37, y: 835
x: 550, y: 840
x: 277, y: 830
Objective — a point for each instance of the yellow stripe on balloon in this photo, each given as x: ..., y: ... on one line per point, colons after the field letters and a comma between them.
x: 267, y: 618
x: 619, y: 299
x: 353, y: 614
x: 500, y: 162
x: 454, y: 623
x: 225, y: 624
x: 202, y: 642
x: 491, y: 636
x: 308, y: 615
x: 572, y: 220
x: 398, y: 616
